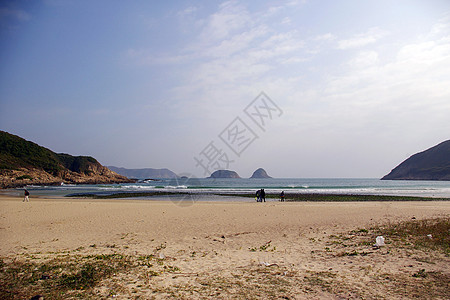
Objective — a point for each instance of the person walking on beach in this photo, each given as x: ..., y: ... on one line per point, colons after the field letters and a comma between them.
x: 263, y: 195
x: 258, y: 195
x: 282, y: 196
x: 26, y: 194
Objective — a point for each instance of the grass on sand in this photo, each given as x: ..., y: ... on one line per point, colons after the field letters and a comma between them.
x: 76, y: 274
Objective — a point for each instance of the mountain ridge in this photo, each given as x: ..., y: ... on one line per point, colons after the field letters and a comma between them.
x: 144, y: 173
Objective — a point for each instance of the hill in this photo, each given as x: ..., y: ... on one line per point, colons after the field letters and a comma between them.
x: 431, y: 164
x: 260, y: 173
x: 23, y: 162
x: 144, y: 173
x: 224, y: 174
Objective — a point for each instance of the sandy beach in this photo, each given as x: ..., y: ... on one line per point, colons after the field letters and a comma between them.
x: 224, y: 250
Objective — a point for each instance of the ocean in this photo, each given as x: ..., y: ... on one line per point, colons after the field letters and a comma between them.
x: 200, y: 186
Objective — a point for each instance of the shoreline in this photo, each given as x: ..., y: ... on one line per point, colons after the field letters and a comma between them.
x: 300, y: 189
x: 289, y: 196
x: 184, y: 198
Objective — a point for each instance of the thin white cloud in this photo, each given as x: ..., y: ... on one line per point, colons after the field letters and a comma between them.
x: 425, y: 53
x: 325, y: 37
x: 361, y: 40
x: 187, y: 11
x: 230, y: 18
x: 364, y: 59
x: 442, y: 27
x: 286, y: 20
x: 414, y: 82
x: 235, y: 43
x: 241, y: 52
x: 227, y: 33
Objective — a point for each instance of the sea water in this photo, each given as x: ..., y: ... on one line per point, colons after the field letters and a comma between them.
x: 356, y: 186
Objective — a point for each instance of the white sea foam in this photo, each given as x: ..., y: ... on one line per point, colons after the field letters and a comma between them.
x: 273, y: 186
x: 178, y: 187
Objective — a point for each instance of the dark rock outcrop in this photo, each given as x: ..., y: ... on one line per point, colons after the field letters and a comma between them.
x: 224, y: 174
x: 144, y: 173
x: 260, y: 173
x: 431, y: 164
x: 23, y: 163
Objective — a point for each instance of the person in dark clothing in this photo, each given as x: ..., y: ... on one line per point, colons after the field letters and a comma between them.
x: 26, y: 194
x: 263, y: 195
x: 258, y: 195
x: 282, y: 196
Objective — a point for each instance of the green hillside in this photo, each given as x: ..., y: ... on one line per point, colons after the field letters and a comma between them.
x: 15, y: 153
x: 23, y: 162
x: 79, y: 164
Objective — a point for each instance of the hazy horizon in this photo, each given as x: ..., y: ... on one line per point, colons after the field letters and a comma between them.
x: 350, y: 89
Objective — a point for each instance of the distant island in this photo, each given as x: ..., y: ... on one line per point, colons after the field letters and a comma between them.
x: 144, y: 173
x: 431, y: 164
x: 260, y: 173
x: 24, y: 163
x: 224, y: 174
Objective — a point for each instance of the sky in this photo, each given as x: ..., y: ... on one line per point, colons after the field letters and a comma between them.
x: 303, y: 89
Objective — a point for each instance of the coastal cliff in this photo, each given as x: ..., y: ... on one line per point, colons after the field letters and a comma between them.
x: 431, y: 164
x: 24, y: 163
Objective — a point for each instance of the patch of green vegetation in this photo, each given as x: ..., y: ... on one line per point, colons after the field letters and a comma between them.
x: 353, y: 253
x: 428, y: 233
x: 79, y: 164
x: 322, y: 279
x: 171, y: 269
x: 251, y: 283
x: 16, y: 153
x: 86, y: 278
x: 71, y: 274
x: 420, y: 274
x: 264, y: 247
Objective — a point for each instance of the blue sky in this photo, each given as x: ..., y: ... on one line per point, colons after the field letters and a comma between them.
x: 361, y: 85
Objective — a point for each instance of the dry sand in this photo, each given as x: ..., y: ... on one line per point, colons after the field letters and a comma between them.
x: 226, y: 250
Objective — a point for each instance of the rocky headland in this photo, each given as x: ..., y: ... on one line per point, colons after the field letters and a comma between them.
x: 431, y: 164
x: 24, y: 163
